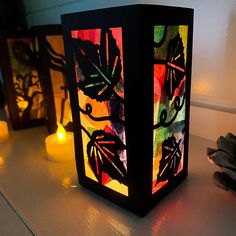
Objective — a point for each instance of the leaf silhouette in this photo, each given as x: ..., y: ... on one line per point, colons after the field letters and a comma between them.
x: 175, y: 66
x: 103, y: 155
x: 23, y: 54
x: 99, y: 66
x: 171, y: 156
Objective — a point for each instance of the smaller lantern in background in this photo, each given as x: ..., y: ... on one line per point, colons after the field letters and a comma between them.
x: 53, y: 76
x: 20, y: 66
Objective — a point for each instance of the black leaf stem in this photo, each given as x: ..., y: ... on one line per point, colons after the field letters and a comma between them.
x: 105, y: 79
x: 178, y: 106
x: 88, y: 112
x: 100, y: 149
x: 86, y: 131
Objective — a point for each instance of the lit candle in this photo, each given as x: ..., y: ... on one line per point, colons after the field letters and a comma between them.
x: 4, y: 133
x: 60, y: 146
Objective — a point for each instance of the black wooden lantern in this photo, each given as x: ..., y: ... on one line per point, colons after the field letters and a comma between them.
x: 20, y: 66
x: 129, y: 71
x: 53, y: 76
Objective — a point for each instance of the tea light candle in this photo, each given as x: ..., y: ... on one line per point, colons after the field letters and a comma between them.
x: 4, y: 133
x: 60, y: 146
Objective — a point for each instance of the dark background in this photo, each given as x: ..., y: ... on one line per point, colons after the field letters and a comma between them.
x: 12, y: 14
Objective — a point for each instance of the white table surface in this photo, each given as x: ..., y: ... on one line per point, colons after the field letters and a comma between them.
x: 48, y: 198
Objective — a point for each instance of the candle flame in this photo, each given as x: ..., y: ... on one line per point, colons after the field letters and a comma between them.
x: 61, y: 133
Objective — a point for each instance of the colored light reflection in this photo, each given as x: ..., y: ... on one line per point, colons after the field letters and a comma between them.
x: 202, y: 86
x: 2, y: 162
x: 64, y: 173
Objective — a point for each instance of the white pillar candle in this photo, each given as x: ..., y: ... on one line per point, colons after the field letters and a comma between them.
x: 60, y: 146
x: 4, y: 132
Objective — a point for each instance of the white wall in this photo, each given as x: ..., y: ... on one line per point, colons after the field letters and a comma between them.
x: 214, y: 52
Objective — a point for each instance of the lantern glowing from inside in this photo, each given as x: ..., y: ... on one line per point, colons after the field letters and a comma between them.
x: 170, y: 55
x: 20, y: 72
x: 55, y: 52
x: 129, y: 87
x: 25, y: 77
x: 53, y: 76
x: 103, y: 141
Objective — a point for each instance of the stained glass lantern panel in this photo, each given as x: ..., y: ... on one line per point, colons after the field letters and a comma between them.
x: 53, y: 76
x: 129, y: 72
x: 20, y: 70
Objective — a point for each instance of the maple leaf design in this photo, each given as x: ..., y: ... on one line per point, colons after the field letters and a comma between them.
x: 103, y: 155
x: 175, y: 66
x: 99, y: 66
x: 171, y: 156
